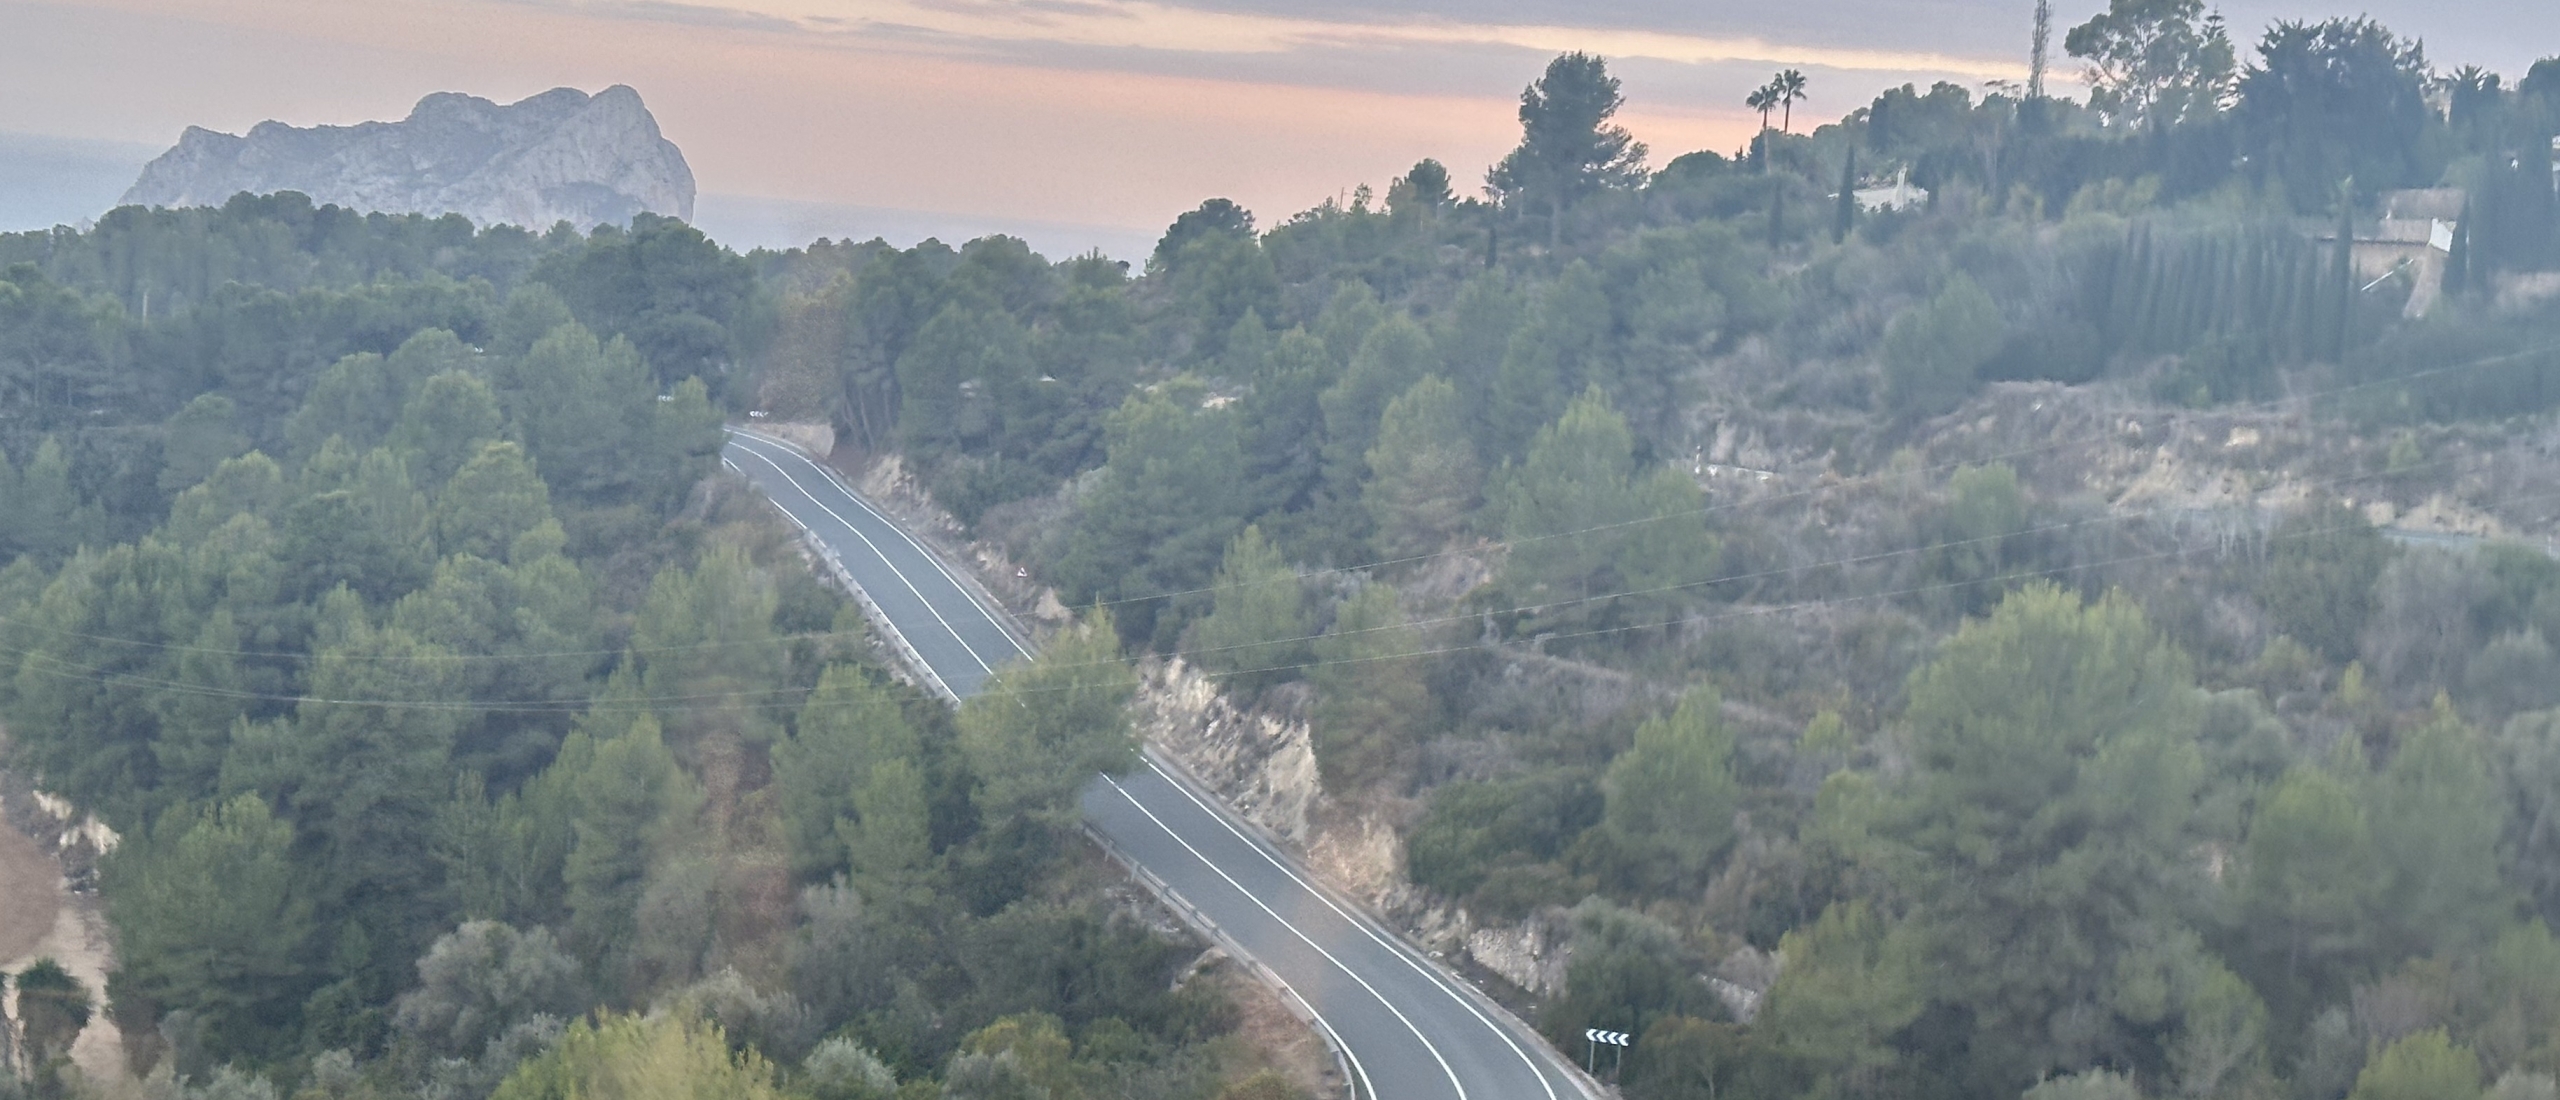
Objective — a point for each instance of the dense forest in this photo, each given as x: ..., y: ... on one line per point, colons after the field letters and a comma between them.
x: 1990, y: 644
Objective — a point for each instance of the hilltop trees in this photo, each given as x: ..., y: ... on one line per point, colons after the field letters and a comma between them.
x: 685, y: 303
x: 2337, y: 101
x: 1780, y: 94
x: 1568, y: 147
x: 2154, y: 63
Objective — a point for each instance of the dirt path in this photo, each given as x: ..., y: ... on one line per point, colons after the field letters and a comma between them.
x: 41, y: 917
x: 30, y: 893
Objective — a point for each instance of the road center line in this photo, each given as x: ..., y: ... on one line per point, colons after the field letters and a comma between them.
x: 1294, y: 930
x: 1436, y: 980
x: 929, y: 556
x: 875, y: 552
x: 1427, y: 973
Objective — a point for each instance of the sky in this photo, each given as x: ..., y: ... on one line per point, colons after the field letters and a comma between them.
x: 1062, y: 121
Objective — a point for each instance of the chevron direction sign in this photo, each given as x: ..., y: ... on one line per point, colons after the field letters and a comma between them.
x: 1611, y: 1038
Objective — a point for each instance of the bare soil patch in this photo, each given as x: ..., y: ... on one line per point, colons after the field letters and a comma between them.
x: 41, y: 916
x: 30, y: 894
x: 1282, y: 1041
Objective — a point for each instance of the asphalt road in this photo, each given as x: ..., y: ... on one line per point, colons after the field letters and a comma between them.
x: 959, y: 641
x: 1410, y: 1030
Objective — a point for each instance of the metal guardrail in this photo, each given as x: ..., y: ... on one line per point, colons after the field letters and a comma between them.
x: 1172, y: 899
x: 908, y: 659
x: 978, y: 592
x: 878, y: 619
x: 1502, y: 1018
x: 1155, y: 886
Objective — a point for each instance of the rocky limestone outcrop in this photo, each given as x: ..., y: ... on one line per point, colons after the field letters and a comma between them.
x: 560, y: 156
x: 1262, y: 766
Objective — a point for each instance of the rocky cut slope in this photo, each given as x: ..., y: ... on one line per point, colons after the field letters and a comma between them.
x: 560, y: 156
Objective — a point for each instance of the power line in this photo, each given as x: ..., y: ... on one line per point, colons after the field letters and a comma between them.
x: 1384, y: 563
x: 104, y: 675
x: 660, y: 704
x: 2276, y: 404
x: 781, y: 640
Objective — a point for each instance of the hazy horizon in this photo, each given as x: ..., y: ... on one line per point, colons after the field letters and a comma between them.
x: 1104, y: 118
x: 51, y: 181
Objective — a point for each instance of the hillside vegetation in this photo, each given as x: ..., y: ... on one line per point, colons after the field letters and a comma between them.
x: 2081, y: 633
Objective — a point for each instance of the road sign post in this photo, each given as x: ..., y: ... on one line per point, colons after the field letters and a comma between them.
x: 1594, y: 1039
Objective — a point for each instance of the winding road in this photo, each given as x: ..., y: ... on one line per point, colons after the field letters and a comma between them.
x: 1406, y: 1028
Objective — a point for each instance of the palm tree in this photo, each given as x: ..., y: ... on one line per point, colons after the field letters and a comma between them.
x: 1789, y: 86
x: 1763, y: 99
x: 2473, y: 91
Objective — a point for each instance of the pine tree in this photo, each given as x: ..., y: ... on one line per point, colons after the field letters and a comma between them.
x: 1423, y: 476
x: 212, y: 919
x: 1845, y: 214
x: 1256, y: 630
x: 1672, y: 796
x: 1370, y: 706
x: 1040, y: 730
x: 849, y: 729
x: 628, y: 803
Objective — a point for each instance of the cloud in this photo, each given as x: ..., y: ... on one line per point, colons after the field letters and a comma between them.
x: 703, y: 15
x: 1009, y: 27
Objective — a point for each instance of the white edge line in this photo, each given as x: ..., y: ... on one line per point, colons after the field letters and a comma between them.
x: 870, y: 606
x: 1365, y: 1089
x: 875, y: 551
x: 1172, y: 899
x: 1363, y: 925
x: 1294, y: 930
x: 927, y: 553
x: 929, y: 556
x: 1436, y: 980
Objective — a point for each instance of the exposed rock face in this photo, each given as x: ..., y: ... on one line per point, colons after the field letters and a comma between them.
x: 560, y: 156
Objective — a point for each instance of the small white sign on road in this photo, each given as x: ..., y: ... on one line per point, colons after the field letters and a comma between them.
x: 1611, y: 1038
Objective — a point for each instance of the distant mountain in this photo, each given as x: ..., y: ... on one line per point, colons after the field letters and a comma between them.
x: 560, y: 156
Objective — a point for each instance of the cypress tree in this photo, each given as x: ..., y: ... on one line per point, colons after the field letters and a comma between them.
x: 1846, y: 214
x: 2124, y: 288
x: 2457, y: 263
x: 2313, y: 285
x: 2238, y: 302
x: 2342, y: 274
x: 2195, y: 280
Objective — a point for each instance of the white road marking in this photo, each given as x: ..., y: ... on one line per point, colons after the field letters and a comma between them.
x: 1428, y: 975
x: 875, y: 550
x: 929, y: 556
x: 1294, y: 930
